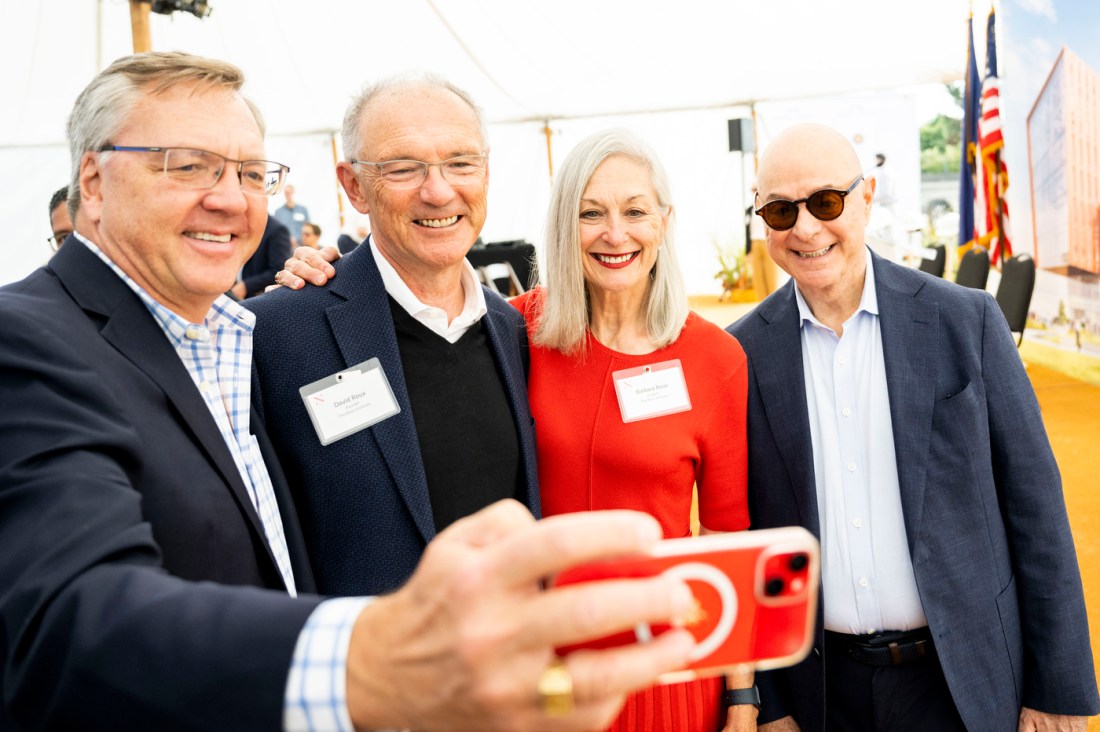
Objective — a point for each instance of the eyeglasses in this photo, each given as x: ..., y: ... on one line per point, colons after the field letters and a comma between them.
x: 824, y: 205
x: 202, y: 169
x: 58, y: 239
x: 462, y: 170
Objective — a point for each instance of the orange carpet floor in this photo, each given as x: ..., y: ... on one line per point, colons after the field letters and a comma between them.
x: 1071, y: 411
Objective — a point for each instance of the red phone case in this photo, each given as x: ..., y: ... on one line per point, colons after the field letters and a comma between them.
x: 756, y: 595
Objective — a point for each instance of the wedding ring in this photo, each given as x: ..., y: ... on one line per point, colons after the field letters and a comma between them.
x: 556, y: 689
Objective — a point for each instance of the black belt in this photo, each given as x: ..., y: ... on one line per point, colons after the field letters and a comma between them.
x: 890, y: 648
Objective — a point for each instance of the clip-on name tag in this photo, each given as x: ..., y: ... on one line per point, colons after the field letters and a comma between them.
x: 651, y: 391
x: 349, y: 401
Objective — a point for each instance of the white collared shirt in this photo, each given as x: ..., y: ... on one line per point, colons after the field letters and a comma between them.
x: 867, y: 573
x: 473, y: 308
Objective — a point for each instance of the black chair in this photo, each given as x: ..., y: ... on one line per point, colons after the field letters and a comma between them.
x: 1014, y: 292
x: 519, y: 254
x: 935, y: 266
x: 973, y: 269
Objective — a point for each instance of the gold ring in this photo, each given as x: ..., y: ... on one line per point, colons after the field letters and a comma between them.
x: 556, y: 689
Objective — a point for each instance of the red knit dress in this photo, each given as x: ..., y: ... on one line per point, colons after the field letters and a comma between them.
x: 590, y: 459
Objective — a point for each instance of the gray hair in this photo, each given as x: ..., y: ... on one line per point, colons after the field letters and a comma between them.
x: 564, y: 320
x: 105, y: 105
x: 351, y: 132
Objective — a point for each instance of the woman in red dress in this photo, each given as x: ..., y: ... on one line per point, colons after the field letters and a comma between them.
x: 635, y: 398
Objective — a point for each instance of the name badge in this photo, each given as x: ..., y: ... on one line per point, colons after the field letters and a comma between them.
x: 651, y: 391
x: 349, y: 401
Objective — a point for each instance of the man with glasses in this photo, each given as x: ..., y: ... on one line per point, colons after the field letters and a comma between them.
x: 153, y: 573
x: 889, y: 413
x: 60, y: 223
x: 440, y: 360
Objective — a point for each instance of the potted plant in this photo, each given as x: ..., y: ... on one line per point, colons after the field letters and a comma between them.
x: 732, y: 272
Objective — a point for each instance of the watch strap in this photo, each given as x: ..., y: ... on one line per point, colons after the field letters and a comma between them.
x: 734, y: 697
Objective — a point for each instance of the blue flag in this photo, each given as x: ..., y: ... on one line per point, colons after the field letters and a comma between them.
x: 971, y: 112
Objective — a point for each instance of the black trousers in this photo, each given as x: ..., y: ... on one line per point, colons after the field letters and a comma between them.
x: 912, y: 697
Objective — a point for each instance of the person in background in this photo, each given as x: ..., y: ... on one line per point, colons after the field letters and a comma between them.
x: 292, y: 215
x: 61, y: 225
x: 346, y: 242
x: 152, y: 556
x: 259, y: 271
x: 890, y: 414
x: 612, y: 309
x: 311, y: 237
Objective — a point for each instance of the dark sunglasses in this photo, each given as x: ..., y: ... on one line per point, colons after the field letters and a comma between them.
x: 824, y: 205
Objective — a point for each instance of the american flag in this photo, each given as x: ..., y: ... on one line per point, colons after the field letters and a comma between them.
x: 991, y: 230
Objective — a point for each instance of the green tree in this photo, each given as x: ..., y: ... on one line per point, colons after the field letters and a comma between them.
x: 940, y: 146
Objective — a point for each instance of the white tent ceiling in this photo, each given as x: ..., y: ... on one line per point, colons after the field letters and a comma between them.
x: 579, y: 64
x: 522, y: 60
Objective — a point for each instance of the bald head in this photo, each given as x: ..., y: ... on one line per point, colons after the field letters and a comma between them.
x: 825, y: 256
x: 806, y: 148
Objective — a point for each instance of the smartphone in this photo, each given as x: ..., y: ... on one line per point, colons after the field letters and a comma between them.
x: 755, y: 597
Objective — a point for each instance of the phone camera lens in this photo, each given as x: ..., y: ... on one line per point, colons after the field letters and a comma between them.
x: 798, y: 562
x: 774, y: 587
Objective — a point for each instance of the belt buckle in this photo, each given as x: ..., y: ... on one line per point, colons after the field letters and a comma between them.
x: 919, y: 648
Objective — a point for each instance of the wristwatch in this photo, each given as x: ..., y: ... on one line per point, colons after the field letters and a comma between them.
x: 733, y: 697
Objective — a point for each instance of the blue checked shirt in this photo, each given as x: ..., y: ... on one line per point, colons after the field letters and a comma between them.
x: 218, y: 355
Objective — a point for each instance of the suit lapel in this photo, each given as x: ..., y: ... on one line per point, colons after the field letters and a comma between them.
x: 131, y: 329
x: 779, y: 375
x: 910, y: 327
x: 362, y: 327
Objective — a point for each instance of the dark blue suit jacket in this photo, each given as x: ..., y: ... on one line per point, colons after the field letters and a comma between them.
x: 984, y: 513
x: 363, y: 500
x: 270, y: 256
x: 123, y: 521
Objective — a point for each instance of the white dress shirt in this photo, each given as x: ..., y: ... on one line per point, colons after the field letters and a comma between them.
x: 473, y: 308
x: 867, y: 574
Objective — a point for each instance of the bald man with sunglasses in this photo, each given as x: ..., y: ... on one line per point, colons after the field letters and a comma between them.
x: 890, y: 414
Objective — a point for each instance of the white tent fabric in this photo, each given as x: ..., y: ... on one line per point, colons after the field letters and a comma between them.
x: 674, y: 72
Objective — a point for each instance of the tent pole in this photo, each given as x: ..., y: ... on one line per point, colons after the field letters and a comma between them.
x: 335, y: 162
x: 549, y: 147
x: 139, y: 25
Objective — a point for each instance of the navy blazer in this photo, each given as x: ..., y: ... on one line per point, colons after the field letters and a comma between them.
x: 123, y: 521
x: 363, y: 500
x: 982, y: 499
x: 270, y: 256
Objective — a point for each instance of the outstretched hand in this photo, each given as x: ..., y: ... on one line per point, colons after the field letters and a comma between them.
x: 463, y: 644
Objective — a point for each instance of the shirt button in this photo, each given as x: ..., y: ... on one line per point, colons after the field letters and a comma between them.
x: 851, y: 467
x: 204, y: 386
x: 858, y: 523
x: 846, y: 412
x: 841, y: 360
x: 863, y: 582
